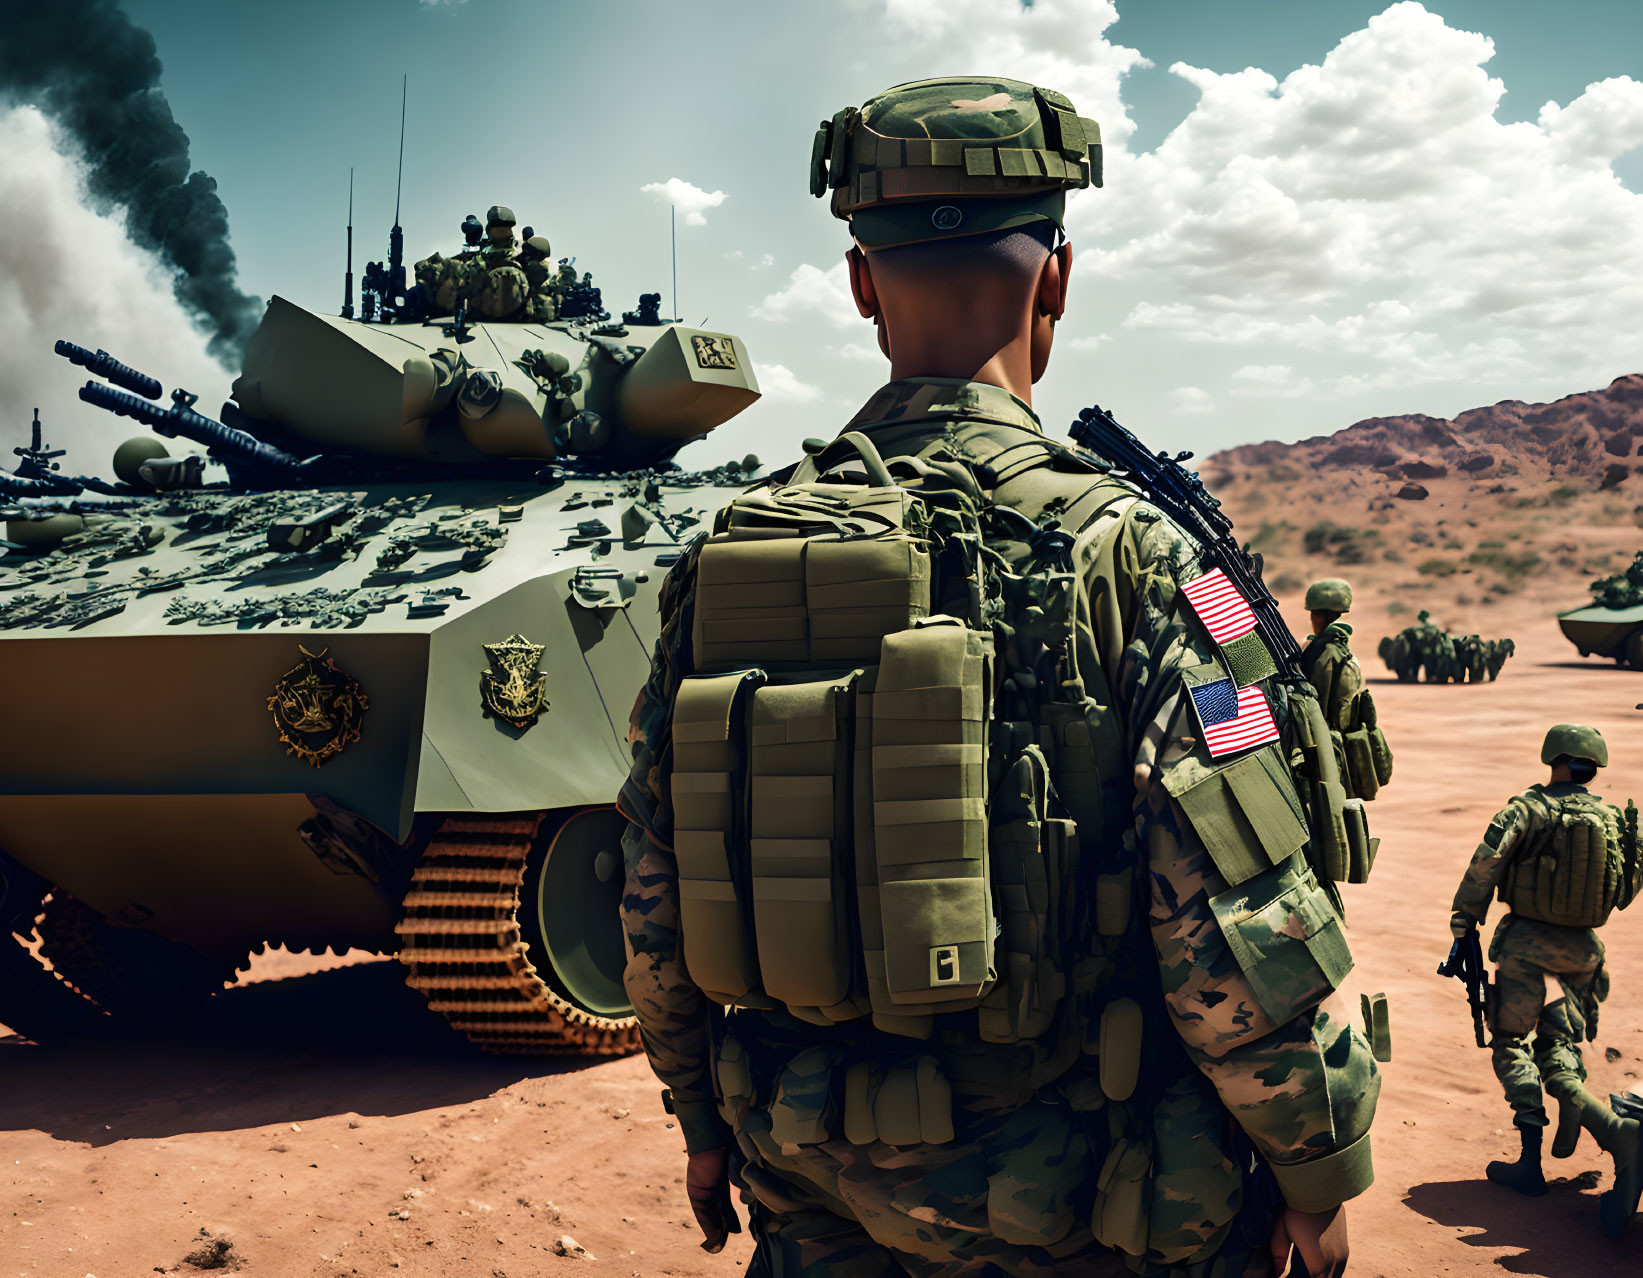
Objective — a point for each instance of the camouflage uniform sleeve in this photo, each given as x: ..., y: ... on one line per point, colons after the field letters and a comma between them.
x: 675, y: 1018
x: 1504, y: 834
x: 1304, y: 1090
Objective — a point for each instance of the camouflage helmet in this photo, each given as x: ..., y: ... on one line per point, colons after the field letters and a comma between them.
x: 1329, y: 595
x: 1577, y: 741
x: 941, y: 159
x: 536, y: 246
x: 499, y: 215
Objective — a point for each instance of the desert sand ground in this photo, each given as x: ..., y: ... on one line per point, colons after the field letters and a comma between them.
x: 326, y: 1124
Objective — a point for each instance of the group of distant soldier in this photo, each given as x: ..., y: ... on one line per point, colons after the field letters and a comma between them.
x: 1445, y: 658
x: 497, y: 277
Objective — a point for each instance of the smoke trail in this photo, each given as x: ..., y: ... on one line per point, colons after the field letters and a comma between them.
x: 97, y: 76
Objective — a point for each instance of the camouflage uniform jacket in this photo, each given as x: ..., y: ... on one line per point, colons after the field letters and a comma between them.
x: 1304, y: 1090
x: 1521, y: 825
x: 1327, y: 661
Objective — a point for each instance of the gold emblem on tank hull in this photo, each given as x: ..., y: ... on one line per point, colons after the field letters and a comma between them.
x: 317, y: 707
x: 713, y: 350
x: 513, y: 689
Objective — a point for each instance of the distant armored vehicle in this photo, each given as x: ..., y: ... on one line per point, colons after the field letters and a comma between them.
x: 367, y: 687
x: 1612, y: 624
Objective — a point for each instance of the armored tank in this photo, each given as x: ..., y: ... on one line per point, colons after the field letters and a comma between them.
x: 354, y: 670
x: 1612, y: 624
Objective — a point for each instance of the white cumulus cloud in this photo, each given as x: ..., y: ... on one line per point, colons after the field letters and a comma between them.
x: 687, y: 197
x: 1191, y: 400
x: 812, y: 293
x: 780, y: 385
x: 1372, y: 211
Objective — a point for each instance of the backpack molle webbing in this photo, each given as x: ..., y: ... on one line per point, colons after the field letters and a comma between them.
x: 1573, y: 875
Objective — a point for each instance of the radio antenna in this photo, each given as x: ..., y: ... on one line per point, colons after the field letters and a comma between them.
x: 348, y: 273
x: 673, y: 232
x: 396, y: 237
x: 399, y: 182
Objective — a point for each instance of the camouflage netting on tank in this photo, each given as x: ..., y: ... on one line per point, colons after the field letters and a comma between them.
x: 1623, y: 590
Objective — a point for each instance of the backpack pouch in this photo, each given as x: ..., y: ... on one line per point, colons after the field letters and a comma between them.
x: 750, y: 603
x: 798, y: 824
x: 1196, y: 1189
x: 707, y: 823
x: 1364, y: 781
x: 929, y: 817
x: 856, y: 592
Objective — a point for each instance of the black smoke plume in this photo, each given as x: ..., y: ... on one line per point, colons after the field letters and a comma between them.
x: 86, y: 66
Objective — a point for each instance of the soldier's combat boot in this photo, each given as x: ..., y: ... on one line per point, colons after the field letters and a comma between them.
x: 1567, y: 1135
x: 1525, y: 1174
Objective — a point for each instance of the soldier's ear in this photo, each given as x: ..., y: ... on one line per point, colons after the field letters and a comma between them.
x: 862, y: 287
x: 1052, y: 282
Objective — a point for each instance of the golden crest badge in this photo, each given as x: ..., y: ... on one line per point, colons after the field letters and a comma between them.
x: 513, y: 689
x: 317, y: 707
x: 713, y: 350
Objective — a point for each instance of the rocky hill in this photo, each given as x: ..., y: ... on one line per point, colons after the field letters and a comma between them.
x: 1516, y: 499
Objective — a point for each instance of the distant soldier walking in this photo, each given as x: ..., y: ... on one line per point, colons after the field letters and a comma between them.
x: 1562, y: 860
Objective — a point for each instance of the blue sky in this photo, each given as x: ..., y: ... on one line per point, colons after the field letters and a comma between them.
x: 1271, y: 257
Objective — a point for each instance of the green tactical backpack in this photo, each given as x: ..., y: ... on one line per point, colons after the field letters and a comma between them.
x: 837, y: 764
x: 1576, y: 872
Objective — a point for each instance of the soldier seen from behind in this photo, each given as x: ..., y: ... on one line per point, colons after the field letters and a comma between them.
x: 969, y: 890
x: 1327, y: 661
x: 1562, y: 861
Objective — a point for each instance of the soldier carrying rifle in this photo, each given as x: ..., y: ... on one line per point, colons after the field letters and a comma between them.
x: 1563, y: 861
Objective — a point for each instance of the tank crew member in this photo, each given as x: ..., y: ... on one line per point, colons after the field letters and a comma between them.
x: 536, y: 262
x: 498, y: 289
x: 884, y: 1103
x: 1562, y: 861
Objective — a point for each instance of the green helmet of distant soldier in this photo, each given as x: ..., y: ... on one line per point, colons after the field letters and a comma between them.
x: 1329, y: 595
x: 1574, y: 741
x: 941, y: 159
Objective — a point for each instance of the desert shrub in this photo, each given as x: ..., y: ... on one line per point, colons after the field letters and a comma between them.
x: 1513, y: 567
x: 1491, y: 545
x: 1286, y: 582
x: 1562, y: 495
x: 1348, y: 545
x: 1436, y: 568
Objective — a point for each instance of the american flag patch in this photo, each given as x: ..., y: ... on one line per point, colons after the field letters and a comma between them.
x: 1232, y: 718
x: 1219, y: 606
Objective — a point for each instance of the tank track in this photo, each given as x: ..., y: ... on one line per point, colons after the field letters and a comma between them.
x: 126, y: 972
x: 463, y: 950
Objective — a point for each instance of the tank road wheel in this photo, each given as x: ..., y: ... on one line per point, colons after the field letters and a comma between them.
x: 510, y: 931
x: 1634, y: 649
x: 130, y: 973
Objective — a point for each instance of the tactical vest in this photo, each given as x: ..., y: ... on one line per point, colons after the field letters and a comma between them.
x: 1573, y: 871
x: 897, y: 798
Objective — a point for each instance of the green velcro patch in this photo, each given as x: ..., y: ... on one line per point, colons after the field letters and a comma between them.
x: 1248, y: 659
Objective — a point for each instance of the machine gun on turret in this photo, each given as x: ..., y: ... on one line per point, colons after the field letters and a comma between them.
x: 249, y: 461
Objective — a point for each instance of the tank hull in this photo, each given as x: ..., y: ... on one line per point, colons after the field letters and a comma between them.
x: 1602, y: 632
